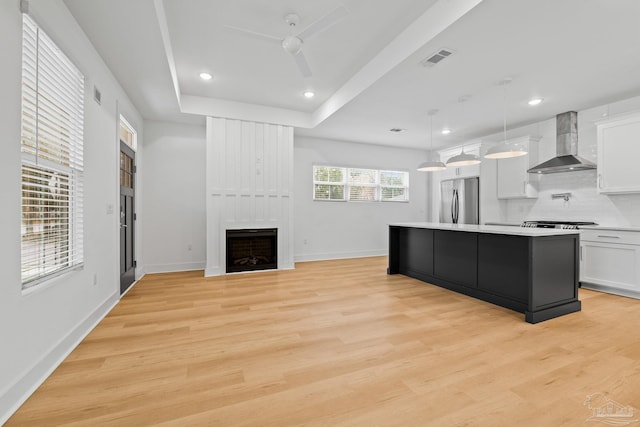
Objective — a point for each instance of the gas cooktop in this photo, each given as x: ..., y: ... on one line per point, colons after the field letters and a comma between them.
x: 570, y: 225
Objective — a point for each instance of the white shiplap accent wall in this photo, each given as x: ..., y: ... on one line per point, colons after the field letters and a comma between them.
x: 249, y: 184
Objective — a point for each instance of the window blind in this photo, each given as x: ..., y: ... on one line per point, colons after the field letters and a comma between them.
x: 52, y: 158
x: 394, y: 186
x: 358, y: 184
x: 363, y: 184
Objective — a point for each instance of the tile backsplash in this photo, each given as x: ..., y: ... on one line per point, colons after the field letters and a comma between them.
x: 584, y: 204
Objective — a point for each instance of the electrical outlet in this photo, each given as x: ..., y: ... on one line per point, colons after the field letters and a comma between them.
x: 304, y: 241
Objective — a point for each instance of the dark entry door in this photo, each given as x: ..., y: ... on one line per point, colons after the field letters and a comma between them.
x: 127, y: 216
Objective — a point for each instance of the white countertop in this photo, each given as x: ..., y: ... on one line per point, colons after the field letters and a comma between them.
x: 605, y: 227
x: 492, y: 229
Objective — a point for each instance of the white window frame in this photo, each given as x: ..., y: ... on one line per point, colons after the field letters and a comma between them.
x: 335, y: 183
x: 52, y: 240
x: 405, y: 185
x: 348, y: 184
x: 129, y: 128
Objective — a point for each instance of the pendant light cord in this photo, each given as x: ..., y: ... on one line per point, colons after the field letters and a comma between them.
x: 431, y: 135
x: 504, y: 112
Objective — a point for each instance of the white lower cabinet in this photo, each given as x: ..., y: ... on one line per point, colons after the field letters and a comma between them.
x: 610, y: 261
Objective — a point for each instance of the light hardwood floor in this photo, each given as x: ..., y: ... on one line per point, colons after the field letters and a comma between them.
x: 337, y: 343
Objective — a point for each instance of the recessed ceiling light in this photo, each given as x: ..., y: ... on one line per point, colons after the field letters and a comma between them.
x: 206, y: 76
x: 446, y: 131
x: 309, y: 94
x: 535, y: 101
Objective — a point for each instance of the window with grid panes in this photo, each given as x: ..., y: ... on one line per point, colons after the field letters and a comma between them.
x: 52, y: 159
x: 394, y: 186
x: 329, y: 183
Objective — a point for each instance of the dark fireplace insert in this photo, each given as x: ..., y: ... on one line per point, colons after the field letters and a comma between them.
x: 252, y: 249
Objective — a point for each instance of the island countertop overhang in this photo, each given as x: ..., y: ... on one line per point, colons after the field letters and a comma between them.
x: 492, y: 229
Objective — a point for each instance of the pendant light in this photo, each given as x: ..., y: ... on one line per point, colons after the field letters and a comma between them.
x: 431, y: 166
x: 505, y: 150
x: 463, y: 159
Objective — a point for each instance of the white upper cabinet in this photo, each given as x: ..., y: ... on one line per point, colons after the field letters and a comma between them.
x: 459, y: 171
x: 514, y: 182
x: 618, y: 154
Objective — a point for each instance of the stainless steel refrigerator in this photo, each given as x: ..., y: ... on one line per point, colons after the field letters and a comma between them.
x: 459, y: 201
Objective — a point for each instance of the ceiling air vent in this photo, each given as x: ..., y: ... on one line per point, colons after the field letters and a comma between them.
x: 432, y: 60
x: 396, y: 130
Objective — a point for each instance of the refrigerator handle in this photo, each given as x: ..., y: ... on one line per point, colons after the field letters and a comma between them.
x: 453, y: 203
x: 456, y: 204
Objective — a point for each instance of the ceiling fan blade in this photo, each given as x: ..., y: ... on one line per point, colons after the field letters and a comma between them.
x: 302, y: 64
x: 325, y: 22
x: 255, y: 34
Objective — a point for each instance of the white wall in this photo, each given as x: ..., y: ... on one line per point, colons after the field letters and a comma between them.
x: 586, y: 204
x: 325, y: 229
x: 173, y: 230
x: 38, y: 329
x: 248, y: 185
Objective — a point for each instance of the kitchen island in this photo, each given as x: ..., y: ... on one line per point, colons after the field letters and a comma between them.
x: 530, y: 270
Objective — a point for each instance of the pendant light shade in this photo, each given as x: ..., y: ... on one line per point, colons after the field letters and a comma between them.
x: 431, y: 166
x: 505, y: 150
x: 463, y: 159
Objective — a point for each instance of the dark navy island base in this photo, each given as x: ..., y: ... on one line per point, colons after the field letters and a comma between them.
x: 532, y: 271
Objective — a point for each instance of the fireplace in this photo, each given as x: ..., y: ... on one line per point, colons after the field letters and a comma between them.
x: 252, y: 249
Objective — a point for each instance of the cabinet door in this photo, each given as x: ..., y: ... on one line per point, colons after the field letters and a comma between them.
x: 455, y: 257
x: 503, y: 266
x: 618, y: 151
x: 467, y: 171
x: 513, y: 179
x: 416, y: 251
x: 612, y: 265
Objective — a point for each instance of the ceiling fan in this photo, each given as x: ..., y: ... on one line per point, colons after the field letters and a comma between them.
x: 293, y: 42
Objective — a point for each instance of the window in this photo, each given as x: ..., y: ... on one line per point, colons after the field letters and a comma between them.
x: 52, y: 158
x: 363, y: 184
x: 358, y: 184
x: 394, y: 186
x: 328, y: 183
x: 127, y: 133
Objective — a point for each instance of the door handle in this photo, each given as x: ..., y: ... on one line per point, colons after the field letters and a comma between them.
x: 123, y: 225
x: 600, y: 180
x: 580, y: 253
x: 608, y: 237
x: 524, y: 187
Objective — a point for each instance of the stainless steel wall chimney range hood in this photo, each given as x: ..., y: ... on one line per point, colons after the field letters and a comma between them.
x: 566, y: 159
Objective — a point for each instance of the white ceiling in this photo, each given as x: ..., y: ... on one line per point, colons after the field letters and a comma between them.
x: 367, y: 75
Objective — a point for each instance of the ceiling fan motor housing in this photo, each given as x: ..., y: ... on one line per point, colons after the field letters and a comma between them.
x: 292, y: 44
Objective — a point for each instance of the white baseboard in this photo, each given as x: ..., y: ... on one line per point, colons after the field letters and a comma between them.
x: 172, y: 268
x: 611, y: 290
x: 340, y: 255
x: 15, y: 395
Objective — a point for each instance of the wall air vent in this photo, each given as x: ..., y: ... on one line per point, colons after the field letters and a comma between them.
x: 433, y: 59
